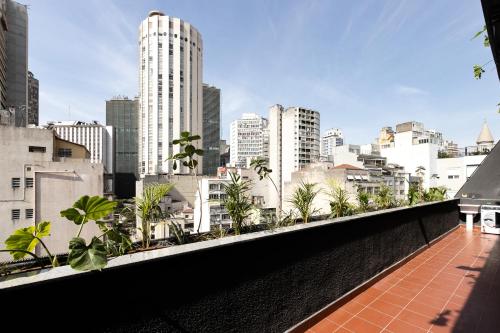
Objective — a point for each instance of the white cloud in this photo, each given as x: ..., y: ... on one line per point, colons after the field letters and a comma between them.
x: 409, y: 91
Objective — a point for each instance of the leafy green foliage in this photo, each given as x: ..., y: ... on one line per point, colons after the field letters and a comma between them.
x: 187, y: 156
x: 302, y: 200
x: 478, y: 71
x: 149, y: 209
x: 435, y: 194
x: 89, y: 208
x: 259, y: 165
x: 179, y: 234
x: 484, y: 32
x: 85, y: 257
x: 26, y: 239
x: 116, y: 239
x: 385, y: 198
x: 363, y: 199
x: 237, y: 202
x: 414, y: 195
x: 339, y: 201
x: 93, y: 256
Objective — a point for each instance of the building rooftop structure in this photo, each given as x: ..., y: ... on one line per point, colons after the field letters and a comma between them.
x: 485, y: 135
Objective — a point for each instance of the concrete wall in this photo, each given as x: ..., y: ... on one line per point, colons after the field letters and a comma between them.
x: 261, y: 282
x: 56, y: 185
x: 454, y: 172
x: 77, y: 151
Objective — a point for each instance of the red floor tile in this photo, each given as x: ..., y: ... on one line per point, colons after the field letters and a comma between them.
x: 453, y: 286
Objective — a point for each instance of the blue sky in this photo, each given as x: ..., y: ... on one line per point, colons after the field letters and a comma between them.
x: 363, y: 64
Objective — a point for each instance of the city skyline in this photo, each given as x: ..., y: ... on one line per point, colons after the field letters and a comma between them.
x: 372, y: 59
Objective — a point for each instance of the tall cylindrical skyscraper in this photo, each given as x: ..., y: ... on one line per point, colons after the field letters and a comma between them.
x: 170, y: 90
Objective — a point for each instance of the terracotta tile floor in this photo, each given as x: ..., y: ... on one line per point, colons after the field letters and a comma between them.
x: 453, y: 286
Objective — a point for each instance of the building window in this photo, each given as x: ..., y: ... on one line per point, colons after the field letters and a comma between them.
x: 16, y: 182
x: 16, y: 214
x: 28, y: 182
x: 29, y: 213
x: 36, y: 149
x: 64, y: 152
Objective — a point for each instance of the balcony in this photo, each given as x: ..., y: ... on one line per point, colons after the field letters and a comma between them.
x: 329, y: 275
x: 452, y: 286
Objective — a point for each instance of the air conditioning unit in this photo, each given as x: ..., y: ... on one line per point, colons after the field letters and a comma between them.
x: 490, y: 219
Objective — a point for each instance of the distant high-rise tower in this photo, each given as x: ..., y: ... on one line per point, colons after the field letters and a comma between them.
x: 331, y: 138
x: 32, y: 99
x: 294, y: 142
x: 248, y: 139
x: 121, y: 113
x: 17, y: 60
x: 170, y: 90
x: 211, y: 129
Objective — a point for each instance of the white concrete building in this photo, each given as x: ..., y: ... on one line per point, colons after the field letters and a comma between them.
x: 346, y: 154
x: 97, y: 138
x: 170, y: 90
x: 248, y: 139
x: 454, y: 172
x: 330, y: 139
x: 37, y: 183
x: 294, y: 142
x: 415, y: 147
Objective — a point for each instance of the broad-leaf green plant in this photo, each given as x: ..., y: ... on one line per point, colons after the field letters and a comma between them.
x: 188, y: 157
x: 92, y: 256
x: 23, y: 242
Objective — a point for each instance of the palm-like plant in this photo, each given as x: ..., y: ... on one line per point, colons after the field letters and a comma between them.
x: 413, y: 195
x: 385, y: 198
x: 339, y: 201
x: 237, y: 202
x: 363, y: 199
x: 435, y: 194
x: 302, y: 200
x: 149, y: 209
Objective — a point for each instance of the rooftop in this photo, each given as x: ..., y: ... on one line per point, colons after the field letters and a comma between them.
x: 453, y: 286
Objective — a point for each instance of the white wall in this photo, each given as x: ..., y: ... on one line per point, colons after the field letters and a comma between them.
x: 454, y: 172
x: 410, y: 156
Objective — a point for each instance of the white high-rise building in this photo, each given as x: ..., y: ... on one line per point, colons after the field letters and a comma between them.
x: 170, y: 90
x: 294, y: 142
x: 331, y: 138
x: 248, y: 139
x: 97, y: 138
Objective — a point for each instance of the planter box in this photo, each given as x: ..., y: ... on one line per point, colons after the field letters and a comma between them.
x: 260, y: 282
